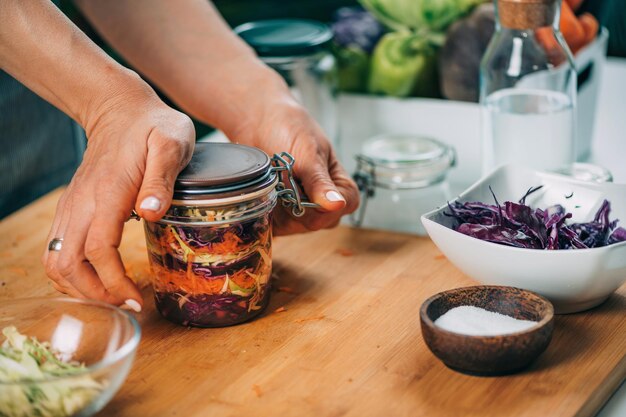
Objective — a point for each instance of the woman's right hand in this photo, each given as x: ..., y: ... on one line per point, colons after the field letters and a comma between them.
x: 137, y: 145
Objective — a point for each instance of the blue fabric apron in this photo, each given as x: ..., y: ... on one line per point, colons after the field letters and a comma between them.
x: 40, y: 147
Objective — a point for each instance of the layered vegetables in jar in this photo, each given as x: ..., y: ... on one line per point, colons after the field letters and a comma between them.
x: 214, y: 272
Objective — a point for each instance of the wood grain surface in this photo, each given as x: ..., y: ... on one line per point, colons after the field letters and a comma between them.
x: 341, y: 337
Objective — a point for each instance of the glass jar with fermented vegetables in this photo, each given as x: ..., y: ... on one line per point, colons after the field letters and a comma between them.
x: 211, y: 254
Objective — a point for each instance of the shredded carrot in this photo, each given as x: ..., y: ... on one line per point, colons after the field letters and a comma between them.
x: 440, y: 257
x: 280, y: 310
x: 175, y: 281
x: 6, y: 255
x: 257, y: 390
x: 345, y: 252
x: 316, y: 318
x: 288, y: 290
x: 19, y: 271
x: 165, y: 239
x: 230, y: 243
x: 243, y: 280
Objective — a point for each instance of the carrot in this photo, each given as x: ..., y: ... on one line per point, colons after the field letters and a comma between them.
x: 167, y: 280
x: 19, y: 271
x: 287, y: 290
x: 316, y: 318
x: 345, y: 252
x: 574, y: 4
x: 571, y: 29
x: 590, y: 26
x: 243, y: 280
x: 547, y: 41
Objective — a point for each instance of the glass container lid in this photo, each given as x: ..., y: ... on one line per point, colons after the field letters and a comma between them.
x: 406, y: 161
x: 285, y: 37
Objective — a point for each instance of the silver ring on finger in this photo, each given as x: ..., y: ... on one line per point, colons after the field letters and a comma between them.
x: 55, y: 244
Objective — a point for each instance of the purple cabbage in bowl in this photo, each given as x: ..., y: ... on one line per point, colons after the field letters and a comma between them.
x: 518, y: 225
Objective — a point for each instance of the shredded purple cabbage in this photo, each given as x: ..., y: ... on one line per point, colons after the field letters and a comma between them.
x: 174, y: 263
x: 518, y: 225
x: 205, y: 236
x: 206, y: 310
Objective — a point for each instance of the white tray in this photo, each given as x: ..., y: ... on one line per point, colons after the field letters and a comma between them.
x: 456, y: 123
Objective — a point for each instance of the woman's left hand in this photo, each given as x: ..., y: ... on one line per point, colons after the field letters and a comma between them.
x: 283, y: 125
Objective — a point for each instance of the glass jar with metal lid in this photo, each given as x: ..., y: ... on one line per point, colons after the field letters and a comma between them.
x: 299, y: 50
x: 211, y: 254
x: 401, y: 177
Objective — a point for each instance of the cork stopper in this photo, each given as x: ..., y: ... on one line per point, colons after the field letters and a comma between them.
x: 527, y: 14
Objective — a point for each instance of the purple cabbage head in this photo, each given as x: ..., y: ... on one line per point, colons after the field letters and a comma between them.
x: 356, y: 27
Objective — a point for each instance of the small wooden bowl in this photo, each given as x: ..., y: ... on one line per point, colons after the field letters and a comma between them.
x: 488, y: 355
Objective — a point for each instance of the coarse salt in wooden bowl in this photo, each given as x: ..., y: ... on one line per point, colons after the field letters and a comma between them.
x: 494, y: 354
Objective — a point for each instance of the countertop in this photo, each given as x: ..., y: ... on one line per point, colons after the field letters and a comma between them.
x: 609, y: 150
x: 341, y: 337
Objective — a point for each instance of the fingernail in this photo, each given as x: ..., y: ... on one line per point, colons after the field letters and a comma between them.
x: 133, y: 305
x: 150, y: 203
x: 334, y: 196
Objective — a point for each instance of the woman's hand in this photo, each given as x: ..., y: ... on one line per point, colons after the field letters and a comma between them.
x: 280, y: 124
x: 137, y: 145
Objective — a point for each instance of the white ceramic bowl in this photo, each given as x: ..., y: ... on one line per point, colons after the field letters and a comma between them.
x: 574, y: 280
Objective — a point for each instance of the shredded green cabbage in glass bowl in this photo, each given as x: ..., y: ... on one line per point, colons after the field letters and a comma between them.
x: 35, y: 381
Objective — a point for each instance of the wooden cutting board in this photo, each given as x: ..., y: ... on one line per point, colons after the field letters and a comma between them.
x: 347, y: 344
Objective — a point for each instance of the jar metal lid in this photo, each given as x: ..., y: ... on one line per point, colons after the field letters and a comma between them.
x: 228, y: 173
x: 222, y: 170
x: 285, y: 37
x: 406, y: 161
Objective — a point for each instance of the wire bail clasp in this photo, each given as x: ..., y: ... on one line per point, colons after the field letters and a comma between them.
x: 290, y: 195
x: 365, y: 178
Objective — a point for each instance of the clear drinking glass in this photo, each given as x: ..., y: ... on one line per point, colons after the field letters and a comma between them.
x: 528, y: 89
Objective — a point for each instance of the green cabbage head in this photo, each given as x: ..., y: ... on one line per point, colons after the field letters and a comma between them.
x: 433, y: 15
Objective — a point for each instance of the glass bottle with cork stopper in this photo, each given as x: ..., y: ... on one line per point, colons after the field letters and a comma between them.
x: 528, y: 89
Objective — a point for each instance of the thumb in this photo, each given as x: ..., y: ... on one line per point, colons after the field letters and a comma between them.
x: 318, y: 185
x: 165, y: 159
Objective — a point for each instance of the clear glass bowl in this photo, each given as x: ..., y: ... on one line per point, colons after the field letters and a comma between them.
x: 101, y: 336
